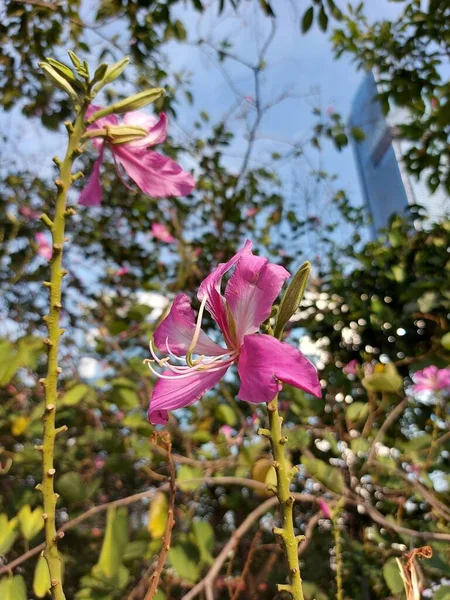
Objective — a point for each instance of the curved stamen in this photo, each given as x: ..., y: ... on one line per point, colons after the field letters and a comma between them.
x: 196, y: 335
x: 190, y: 372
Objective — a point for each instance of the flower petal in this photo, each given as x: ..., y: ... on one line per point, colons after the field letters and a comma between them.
x: 178, y: 392
x: 161, y: 233
x: 92, y: 192
x: 156, y: 175
x: 177, y: 330
x: 157, y: 128
x: 251, y: 291
x: 211, y: 287
x: 103, y: 121
x: 265, y: 361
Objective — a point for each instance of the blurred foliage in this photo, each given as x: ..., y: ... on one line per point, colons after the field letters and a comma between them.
x: 384, y: 304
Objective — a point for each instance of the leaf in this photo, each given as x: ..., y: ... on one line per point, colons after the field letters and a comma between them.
x: 75, y: 395
x: 298, y: 439
x: 114, y: 544
x: 392, y: 576
x: 307, y: 20
x: 267, y: 8
x: 185, y: 474
x: 445, y: 341
x: 8, y: 533
x: 19, y: 425
x: 204, y: 538
x: 358, y: 134
x: 443, y: 593
x: 13, y: 588
x: 323, y: 19
x: 185, y: 559
x: 357, y: 411
x: 225, y: 414
x: 331, y: 477
x: 384, y: 379
x: 72, y: 487
x: 41, y: 579
x: 31, y: 522
x: 157, y: 516
x: 292, y: 298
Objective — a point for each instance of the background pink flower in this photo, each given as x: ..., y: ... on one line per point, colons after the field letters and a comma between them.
x: 324, y: 508
x: 160, y: 232
x: 431, y: 379
x: 44, y: 247
x: 156, y: 175
x: 351, y: 368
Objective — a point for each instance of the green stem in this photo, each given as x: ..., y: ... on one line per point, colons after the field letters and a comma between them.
x: 338, y: 551
x: 57, y: 227
x: 286, y: 500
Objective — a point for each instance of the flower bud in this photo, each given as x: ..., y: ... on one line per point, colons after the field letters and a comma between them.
x: 132, y: 103
x: 112, y: 73
x: 54, y: 77
x: 292, y: 298
x: 117, y: 134
x: 65, y: 72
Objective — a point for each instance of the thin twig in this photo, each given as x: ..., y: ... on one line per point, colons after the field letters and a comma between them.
x: 247, y: 564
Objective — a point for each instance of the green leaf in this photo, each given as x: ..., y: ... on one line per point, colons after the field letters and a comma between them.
x: 384, y: 379
x: 357, y: 411
x: 75, y: 395
x: 358, y: 134
x: 307, y: 19
x: 13, y: 588
x: 443, y: 593
x: 204, y: 538
x: 267, y: 8
x: 298, y: 439
x: 331, y: 477
x: 157, y: 516
x: 392, y: 577
x: 185, y: 559
x: 114, y: 544
x: 292, y: 298
x: 41, y: 579
x: 225, y: 414
x: 31, y: 522
x: 323, y: 19
x: 185, y: 474
x: 180, y: 31
x: 72, y: 487
x: 8, y: 533
x: 445, y: 341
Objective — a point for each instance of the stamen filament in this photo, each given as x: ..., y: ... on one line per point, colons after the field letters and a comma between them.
x: 196, y: 335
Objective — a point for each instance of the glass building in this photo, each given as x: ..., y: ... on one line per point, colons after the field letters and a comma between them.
x: 386, y: 186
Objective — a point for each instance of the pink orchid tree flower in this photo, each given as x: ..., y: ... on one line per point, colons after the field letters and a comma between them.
x: 44, y: 247
x: 431, y: 379
x: 161, y: 233
x: 351, y: 368
x: 325, y: 508
x: 122, y: 271
x: 156, y: 175
x: 263, y: 362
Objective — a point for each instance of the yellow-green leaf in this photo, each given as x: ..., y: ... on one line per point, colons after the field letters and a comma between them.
x: 31, y: 522
x: 331, y: 477
x: 75, y: 395
x: 8, y: 533
x: 41, y: 580
x: 157, y: 515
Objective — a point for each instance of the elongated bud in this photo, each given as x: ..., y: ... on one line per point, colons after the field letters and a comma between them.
x: 292, y: 298
x: 65, y: 72
x: 81, y: 67
x: 117, y: 134
x: 99, y: 73
x: 54, y: 77
x: 132, y: 103
x: 112, y: 73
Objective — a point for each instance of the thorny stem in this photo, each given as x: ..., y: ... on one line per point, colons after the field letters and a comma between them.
x: 52, y: 320
x: 286, y: 500
x: 338, y: 551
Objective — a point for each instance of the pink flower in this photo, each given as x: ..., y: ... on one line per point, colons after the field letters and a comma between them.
x: 226, y: 431
x: 28, y: 212
x: 263, y: 362
x: 156, y: 175
x: 251, y: 212
x: 325, y: 509
x: 431, y: 379
x: 44, y: 247
x: 122, y: 271
x: 160, y: 232
x: 351, y: 368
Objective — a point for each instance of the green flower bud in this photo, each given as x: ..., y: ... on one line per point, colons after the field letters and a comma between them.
x: 65, y: 72
x: 132, y: 103
x: 54, y: 77
x: 117, y: 134
x: 112, y: 73
x: 292, y: 298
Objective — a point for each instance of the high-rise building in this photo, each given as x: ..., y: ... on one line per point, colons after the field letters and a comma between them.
x: 386, y: 185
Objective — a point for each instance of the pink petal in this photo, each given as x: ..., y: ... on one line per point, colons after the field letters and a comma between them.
x: 265, y: 361
x: 251, y: 292
x: 443, y: 378
x: 325, y: 508
x: 177, y: 330
x: 44, y: 247
x: 157, y: 128
x: 156, y: 175
x: 160, y: 232
x: 92, y: 192
x: 176, y: 392
x: 211, y: 287
x: 103, y: 121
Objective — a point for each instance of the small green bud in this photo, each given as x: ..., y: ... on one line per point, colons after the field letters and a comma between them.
x: 292, y: 298
x: 65, y: 72
x: 117, y: 134
x: 112, y: 73
x: 132, y: 103
x: 80, y: 67
x: 99, y: 73
x: 54, y: 77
